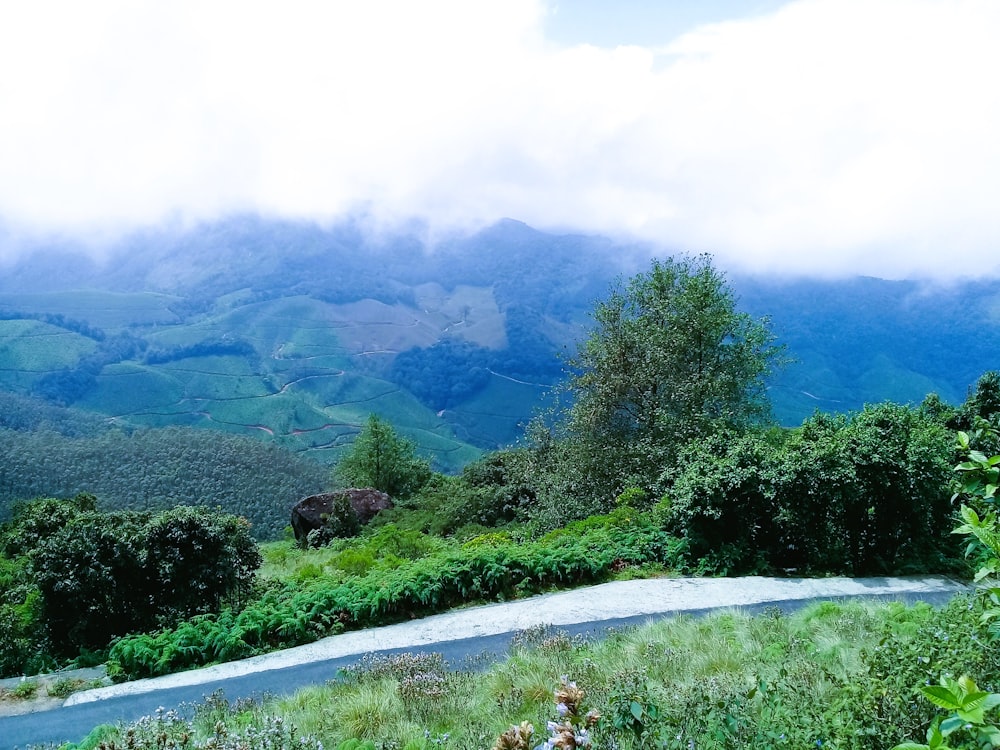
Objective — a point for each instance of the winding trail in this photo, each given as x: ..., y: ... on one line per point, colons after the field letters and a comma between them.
x: 515, y: 380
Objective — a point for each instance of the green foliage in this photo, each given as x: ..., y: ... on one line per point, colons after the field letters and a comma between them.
x: 25, y: 641
x: 488, y: 493
x: 633, y: 705
x: 36, y: 520
x: 198, y: 559
x: 340, y: 522
x: 632, y: 497
x: 402, y: 666
x: 24, y: 644
x: 25, y: 690
x: 968, y: 705
x: 670, y: 359
x: 901, y: 505
x: 979, y: 477
x: 724, y: 503
x: 90, y: 577
x: 66, y: 686
x: 860, y: 495
x: 249, y: 728
x: 981, y: 407
x: 155, y: 469
x: 382, y: 459
x: 292, y: 614
x: 356, y: 744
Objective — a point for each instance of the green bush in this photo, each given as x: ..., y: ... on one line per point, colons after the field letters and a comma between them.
x: 863, y: 495
x: 445, y: 505
x: 36, y: 520
x: 884, y: 700
x: 24, y: 643
x: 25, y: 690
x: 90, y: 577
x: 66, y: 686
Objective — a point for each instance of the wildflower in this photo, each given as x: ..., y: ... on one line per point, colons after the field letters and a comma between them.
x: 568, y: 695
x: 516, y: 738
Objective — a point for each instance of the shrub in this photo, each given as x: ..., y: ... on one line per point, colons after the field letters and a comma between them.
x: 860, y: 496
x: 66, y: 686
x: 25, y: 690
x: 169, y: 729
x: 105, y: 575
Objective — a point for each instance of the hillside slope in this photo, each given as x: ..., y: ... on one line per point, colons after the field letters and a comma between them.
x: 293, y: 333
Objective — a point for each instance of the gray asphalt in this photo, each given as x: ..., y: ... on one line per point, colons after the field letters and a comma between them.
x: 476, y: 634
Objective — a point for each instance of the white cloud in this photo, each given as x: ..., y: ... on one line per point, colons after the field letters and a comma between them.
x: 830, y: 136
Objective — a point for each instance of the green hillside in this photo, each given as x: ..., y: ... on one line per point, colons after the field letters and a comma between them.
x: 292, y: 334
x: 30, y: 349
x: 99, y: 307
x: 300, y: 372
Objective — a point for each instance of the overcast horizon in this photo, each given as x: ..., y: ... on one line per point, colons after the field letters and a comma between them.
x: 818, y: 137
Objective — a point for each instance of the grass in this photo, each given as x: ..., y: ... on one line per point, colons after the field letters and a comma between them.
x: 25, y: 690
x: 66, y: 686
x: 386, y: 547
x: 831, y: 675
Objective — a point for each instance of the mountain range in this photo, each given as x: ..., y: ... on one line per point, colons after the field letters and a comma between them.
x: 294, y: 332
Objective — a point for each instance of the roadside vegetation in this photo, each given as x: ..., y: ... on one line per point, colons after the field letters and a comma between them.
x: 832, y: 675
x: 660, y: 461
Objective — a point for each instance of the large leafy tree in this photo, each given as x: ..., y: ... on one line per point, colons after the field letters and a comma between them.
x: 669, y: 359
x: 382, y: 459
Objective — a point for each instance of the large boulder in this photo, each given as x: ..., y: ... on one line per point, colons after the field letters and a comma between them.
x: 341, y: 512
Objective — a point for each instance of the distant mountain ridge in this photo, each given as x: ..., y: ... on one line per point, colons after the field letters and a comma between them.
x: 294, y: 333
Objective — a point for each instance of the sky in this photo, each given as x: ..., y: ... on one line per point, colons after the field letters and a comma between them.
x: 819, y: 137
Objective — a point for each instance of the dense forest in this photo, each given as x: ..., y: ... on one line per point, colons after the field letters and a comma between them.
x: 53, y: 452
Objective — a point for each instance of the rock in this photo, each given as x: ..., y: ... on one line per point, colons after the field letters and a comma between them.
x: 345, y: 509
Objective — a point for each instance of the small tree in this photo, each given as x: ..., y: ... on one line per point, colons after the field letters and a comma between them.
x: 670, y: 359
x: 382, y: 459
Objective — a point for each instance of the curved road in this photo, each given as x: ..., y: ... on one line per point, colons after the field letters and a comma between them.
x: 459, y: 635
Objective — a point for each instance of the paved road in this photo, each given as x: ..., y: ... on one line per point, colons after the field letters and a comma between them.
x: 460, y: 636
